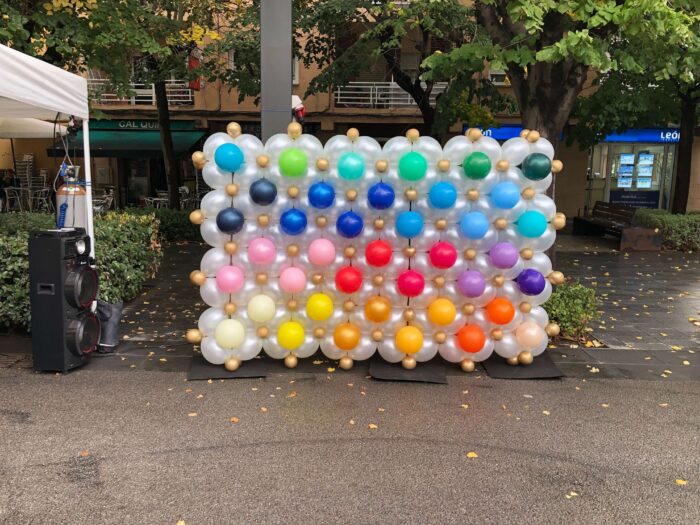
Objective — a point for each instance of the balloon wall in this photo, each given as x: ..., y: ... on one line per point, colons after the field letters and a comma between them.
x: 411, y: 250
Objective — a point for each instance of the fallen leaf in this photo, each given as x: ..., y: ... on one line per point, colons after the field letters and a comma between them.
x: 181, y: 522
x: 293, y: 393
x: 464, y: 405
x: 472, y: 455
x: 318, y: 362
x: 663, y: 405
x: 594, y: 370
x: 163, y: 360
x: 188, y: 390
x: 372, y: 426
x: 681, y: 482
x: 234, y: 419
x: 604, y: 405
x: 686, y: 362
x: 352, y: 421
x: 381, y: 409
x: 192, y: 414
x: 200, y: 396
x: 84, y: 453
x: 330, y: 369
x: 545, y: 412
x: 263, y: 410
x: 676, y: 347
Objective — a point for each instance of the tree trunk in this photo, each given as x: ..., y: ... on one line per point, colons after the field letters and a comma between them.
x: 689, y: 105
x: 172, y: 171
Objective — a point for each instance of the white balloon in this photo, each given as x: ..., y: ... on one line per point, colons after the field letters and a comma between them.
x: 213, y: 261
x: 514, y: 151
x: 507, y: 347
x: 211, y: 295
x: 213, y: 202
x: 213, y: 142
x: 543, y: 146
x: 214, y: 177
x: 212, y: 235
x: 212, y: 352
x: 209, y: 319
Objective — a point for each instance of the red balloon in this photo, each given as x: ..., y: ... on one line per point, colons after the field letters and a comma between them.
x: 378, y: 253
x: 410, y: 283
x: 471, y: 338
x: 442, y: 255
x: 348, y: 279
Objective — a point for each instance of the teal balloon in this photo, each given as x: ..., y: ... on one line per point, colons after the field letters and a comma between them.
x: 293, y: 162
x: 413, y: 166
x: 531, y: 224
x: 476, y: 165
x: 351, y: 166
x: 536, y: 166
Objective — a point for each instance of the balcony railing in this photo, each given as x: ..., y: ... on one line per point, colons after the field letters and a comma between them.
x: 178, y: 91
x: 379, y: 95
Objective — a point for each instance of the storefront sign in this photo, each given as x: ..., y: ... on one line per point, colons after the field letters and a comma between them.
x: 503, y: 132
x: 140, y: 125
x: 668, y: 135
x: 638, y: 199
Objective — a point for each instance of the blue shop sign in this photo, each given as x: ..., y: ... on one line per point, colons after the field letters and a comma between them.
x: 667, y: 135
x: 503, y: 132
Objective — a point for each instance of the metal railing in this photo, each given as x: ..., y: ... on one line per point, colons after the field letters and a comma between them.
x: 379, y: 95
x: 178, y: 91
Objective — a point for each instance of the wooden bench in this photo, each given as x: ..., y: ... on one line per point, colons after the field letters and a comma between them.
x: 618, y: 221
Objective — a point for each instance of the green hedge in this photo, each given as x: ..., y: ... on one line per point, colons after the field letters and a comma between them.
x: 573, y: 307
x: 175, y: 225
x: 680, y: 232
x: 126, y: 248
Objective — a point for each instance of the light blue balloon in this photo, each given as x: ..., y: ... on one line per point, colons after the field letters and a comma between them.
x: 442, y: 195
x: 409, y: 224
x: 228, y: 157
x: 505, y: 195
x: 531, y: 224
x: 351, y: 166
x: 474, y: 225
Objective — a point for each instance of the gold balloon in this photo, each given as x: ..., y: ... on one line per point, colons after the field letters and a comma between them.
x: 229, y: 308
x: 349, y: 306
x: 232, y: 364
x: 413, y: 134
x: 378, y: 280
x: 322, y: 164
x: 552, y: 329
x: 262, y: 161
x: 468, y: 309
x: 528, y: 193
x: 525, y: 307
x: 411, y: 194
x: 378, y: 224
x: 496, y: 334
x: 441, y: 224
x: 470, y: 254
x: 440, y: 337
x: 261, y: 278
x: 233, y: 129
x: 193, y: 336
x: 556, y: 277
x: 294, y: 130
x: 378, y: 309
x: 443, y: 165
x: 409, y: 251
x: 230, y: 247
x: 377, y: 335
x: 524, y: 133
x: 293, y: 250
x: 232, y: 190
x: 439, y: 281
x: 525, y: 358
x: 498, y: 280
x: 317, y: 278
x: 512, y: 361
x: 381, y: 166
x: 346, y: 362
x: 321, y: 221
x: 409, y: 362
x: 409, y: 314
x: 351, y: 195
x: 473, y: 195
x: 346, y: 336
x: 467, y: 365
x: 502, y: 165
x: 263, y: 332
x: 353, y: 134
x: 527, y: 254
x: 292, y: 305
x: 263, y: 220
x: 291, y: 361
x: 474, y: 134
x: 533, y: 136
x: 559, y: 221
x: 319, y: 333
x: 198, y: 158
x: 293, y: 192
x: 501, y: 223
x: 197, y: 278
x: 196, y: 217
x: 557, y: 166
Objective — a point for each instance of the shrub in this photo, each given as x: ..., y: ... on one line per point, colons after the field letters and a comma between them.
x: 680, y: 232
x: 572, y: 306
x: 127, y: 252
x: 175, y: 225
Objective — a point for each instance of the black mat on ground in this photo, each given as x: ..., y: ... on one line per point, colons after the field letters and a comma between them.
x: 200, y: 369
x: 423, y: 373
x: 542, y: 368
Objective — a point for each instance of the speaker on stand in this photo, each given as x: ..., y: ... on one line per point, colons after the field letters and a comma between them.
x: 63, y: 286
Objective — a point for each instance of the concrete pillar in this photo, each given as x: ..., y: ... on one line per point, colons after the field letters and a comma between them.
x: 276, y: 66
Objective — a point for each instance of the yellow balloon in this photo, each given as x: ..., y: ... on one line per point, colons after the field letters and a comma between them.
x: 229, y: 333
x: 319, y: 307
x: 261, y: 308
x: 290, y: 335
x: 442, y: 311
x: 409, y: 340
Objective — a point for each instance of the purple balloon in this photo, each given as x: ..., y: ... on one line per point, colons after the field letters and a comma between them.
x: 471, y: 283
x: 504, y: 255
x: 530, y: 282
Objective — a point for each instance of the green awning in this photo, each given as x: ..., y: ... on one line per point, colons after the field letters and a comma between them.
x: 127, y: 143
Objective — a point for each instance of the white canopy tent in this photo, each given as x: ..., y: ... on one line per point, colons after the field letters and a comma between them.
x: 29, y: 128
x: 33, y: 89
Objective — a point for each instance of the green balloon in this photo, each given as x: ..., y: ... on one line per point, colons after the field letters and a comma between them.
x: 477, y: 165
x: 351, y: 166
x: 413, y: 166
x: 536, y: 166
x: 293, y: 162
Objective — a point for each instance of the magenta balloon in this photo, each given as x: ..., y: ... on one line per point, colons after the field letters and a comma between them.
x: 471, y: 283
x: 504, y: 255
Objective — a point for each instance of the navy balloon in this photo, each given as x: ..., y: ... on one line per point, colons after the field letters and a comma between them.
x: 409, y: 224
x: 442, y: 195
x: 228, y: 157
x: 263, y: 192
x: 293, y: 221
x: 230, y: 221
x: 530, y: 282
x: 505, y: 195
x: 380, y: 196
x: 349, y: 224
x: 321, y: 195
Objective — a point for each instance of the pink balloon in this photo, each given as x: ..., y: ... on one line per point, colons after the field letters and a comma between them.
x: 529, y: 335
x: 229, y: 279
x: 262, y: 251
x: 292, y: 280
x: 321, y: 252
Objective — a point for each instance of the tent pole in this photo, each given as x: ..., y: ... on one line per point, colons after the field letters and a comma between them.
x: 88, y: 187
x: 14, y: 160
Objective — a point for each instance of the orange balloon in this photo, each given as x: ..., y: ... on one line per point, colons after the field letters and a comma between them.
x: 378, y: 309
x: 346, y: 336
x: 471, y: 338
x: 500, y: 311
x: 442, y: 311
x: 409, y: 340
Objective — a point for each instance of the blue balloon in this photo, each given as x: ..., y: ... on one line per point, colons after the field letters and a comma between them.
x: 321, y: 195
x: 349, y: 224
x: 293, y: 221
x: 230, y: 220
x: 474, y: 225
x: 505, y: 195
x: 228, y: 157
x: 380, y: 196
x: 531, y: 224
x: 409, y: 224
x: 442, y: 195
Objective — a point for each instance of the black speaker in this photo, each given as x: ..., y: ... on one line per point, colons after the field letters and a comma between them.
x: 63, y: 286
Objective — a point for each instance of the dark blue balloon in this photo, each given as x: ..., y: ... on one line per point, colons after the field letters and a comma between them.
x: 321, y: 195
x: 380, y: 196
x: 349, y: 224
x: 230, y: 221
x: 293, y: 221
x: 442, y: 195
x: 530, y: 282
x: 409, y: 224
x: 263, y: 192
